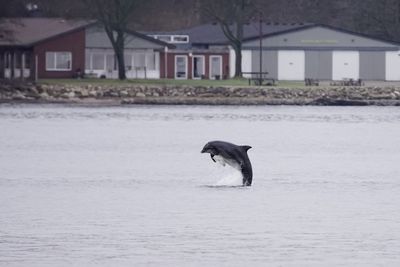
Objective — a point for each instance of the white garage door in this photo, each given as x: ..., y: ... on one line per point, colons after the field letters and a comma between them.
x: 393, y: 66
x: 291, y: 65
x: 246, y: 62
x: 346, y: 65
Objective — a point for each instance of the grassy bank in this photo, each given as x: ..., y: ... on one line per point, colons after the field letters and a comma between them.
x: 166, y: 82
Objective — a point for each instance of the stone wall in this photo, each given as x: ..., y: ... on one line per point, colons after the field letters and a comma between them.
x: 150, y: 94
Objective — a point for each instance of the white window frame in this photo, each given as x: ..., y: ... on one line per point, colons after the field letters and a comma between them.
x: 175, y: 69
x: 175, y: 37
x: 204, y: 66
x: 55, y: 60
x: 220, y: 67
x: 172, y: 39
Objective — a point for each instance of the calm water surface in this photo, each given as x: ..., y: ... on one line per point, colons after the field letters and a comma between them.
x: 127, y: 186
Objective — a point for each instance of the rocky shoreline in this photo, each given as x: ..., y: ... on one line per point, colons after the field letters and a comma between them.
x: 126, y: 94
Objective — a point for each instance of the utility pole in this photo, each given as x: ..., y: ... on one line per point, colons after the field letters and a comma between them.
x: 261, y: 45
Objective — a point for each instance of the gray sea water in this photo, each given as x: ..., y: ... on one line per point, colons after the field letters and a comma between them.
x: 127, y: 186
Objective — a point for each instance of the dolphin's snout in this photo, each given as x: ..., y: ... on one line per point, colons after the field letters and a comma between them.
x: 205, y: 149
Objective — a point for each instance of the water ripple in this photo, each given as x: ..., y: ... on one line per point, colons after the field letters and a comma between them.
x: 299, y: 114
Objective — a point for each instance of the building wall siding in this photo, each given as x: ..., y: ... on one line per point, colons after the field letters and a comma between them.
x: 318, y: 65
x: 372, y: 65
x: 320, y: 37
x: 269, y: 62
x: 73, y: 42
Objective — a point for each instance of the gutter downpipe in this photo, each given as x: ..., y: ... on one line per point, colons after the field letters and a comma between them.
x: 166, y: 62
x: 261, y: 44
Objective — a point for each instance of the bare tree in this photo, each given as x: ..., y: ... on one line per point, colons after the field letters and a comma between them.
x: 114, y: 16
x: 316, y: 11
x: 231, y: 15
x: 66, y: 9
x: 12, y: 8
x: 379, y: 18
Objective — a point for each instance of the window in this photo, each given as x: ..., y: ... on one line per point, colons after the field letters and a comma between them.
x: 128, y: 61
x: 58, y: 61
x: 22, y: 60
x: 139, y: 60
x: 17, y: 60
x: 151, y: 61
x: 27, y: 61
x: 111, y: 63
x: 215, y: 67
x: 198, y: 67
x: 180, y: 39
x: 98, y: 61
x: 50, y: 61
x: 180, y: 67
x: 7, y: 59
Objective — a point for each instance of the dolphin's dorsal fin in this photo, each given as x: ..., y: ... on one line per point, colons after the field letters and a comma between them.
x: 245, y: 148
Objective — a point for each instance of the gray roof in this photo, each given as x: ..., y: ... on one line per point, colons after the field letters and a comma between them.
x: 213, y: 34
x: 29, y: 31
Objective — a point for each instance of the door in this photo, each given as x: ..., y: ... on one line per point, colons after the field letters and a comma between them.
x: 215, y: 67
x: 393, y: 66
x: 181, y: 67
x: 198, y: 67
x: 345, y: 65
x: 291, y: 65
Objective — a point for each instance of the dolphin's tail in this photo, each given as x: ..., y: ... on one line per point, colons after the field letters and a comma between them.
x: 247, y: 171
x: 247, y: 176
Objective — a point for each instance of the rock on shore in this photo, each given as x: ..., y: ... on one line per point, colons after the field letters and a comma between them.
x: 199, y: 95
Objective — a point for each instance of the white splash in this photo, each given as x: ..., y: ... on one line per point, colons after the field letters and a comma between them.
x: 233, y: 178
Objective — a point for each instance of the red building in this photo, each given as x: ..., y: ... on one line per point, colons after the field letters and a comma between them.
x: 177, y: 64
x: 42, y: 48
x: 190, y: 60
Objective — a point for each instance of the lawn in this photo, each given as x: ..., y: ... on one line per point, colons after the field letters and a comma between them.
x: 172, y: 82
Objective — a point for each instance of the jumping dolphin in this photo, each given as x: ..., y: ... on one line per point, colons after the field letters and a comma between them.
x: 233, y: 155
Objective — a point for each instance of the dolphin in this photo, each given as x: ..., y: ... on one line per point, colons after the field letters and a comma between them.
x: 233, y: 155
